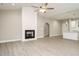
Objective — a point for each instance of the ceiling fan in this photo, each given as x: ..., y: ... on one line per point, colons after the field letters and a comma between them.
x: 43, y: 8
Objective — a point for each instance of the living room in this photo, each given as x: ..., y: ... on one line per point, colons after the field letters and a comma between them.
x: 26, y: 31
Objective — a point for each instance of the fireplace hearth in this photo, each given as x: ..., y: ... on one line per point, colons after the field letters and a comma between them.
x: 29, y: 34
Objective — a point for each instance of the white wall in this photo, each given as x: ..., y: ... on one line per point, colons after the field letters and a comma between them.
x: 55, y: 26
x: 29, y: 21
x: 10, y: 25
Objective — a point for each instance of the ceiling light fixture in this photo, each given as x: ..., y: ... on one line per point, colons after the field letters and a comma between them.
x: 42, y: 10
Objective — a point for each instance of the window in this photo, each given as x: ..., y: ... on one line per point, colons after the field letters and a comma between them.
x: 73, y: 23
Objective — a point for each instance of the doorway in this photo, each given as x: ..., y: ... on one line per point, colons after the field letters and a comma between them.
x: 46, y: 30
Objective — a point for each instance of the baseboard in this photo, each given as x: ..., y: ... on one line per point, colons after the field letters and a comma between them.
x: 29, y: 39
x: 50, y: 36
x: 12, y: 40
x: 40, y: 37
x: 56, y: 35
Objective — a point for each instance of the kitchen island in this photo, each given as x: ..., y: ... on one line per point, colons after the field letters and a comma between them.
x: 74, y: 35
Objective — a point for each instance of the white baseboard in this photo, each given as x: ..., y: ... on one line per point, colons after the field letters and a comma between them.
x: 40, y: 37
x: 56, y: 35
x: 29, y: 39
x: 50, y: 36
x: 12, y: 40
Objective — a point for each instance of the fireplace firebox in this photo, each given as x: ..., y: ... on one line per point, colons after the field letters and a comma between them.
x: 29, y: 34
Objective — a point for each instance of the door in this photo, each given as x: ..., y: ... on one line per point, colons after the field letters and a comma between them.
x: 46, y: 30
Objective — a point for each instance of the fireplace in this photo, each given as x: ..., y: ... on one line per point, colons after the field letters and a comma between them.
x: 29, y: 34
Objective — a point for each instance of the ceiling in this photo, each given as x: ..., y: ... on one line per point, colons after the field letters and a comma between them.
x: 58, y: 12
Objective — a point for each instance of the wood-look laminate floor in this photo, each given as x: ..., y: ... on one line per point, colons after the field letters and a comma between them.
x: 54, y: 46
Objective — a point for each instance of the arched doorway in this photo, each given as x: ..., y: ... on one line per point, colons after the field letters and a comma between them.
x: 46, y: 30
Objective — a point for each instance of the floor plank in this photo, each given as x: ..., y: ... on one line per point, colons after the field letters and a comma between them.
x: 53, y: 46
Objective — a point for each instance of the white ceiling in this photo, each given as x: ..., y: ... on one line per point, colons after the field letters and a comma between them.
x: 60, y: 8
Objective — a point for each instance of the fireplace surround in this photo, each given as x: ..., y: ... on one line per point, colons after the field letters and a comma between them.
x: 29, y: 34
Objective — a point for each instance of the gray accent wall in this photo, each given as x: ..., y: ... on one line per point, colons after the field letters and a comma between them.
x: 10, y: 25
